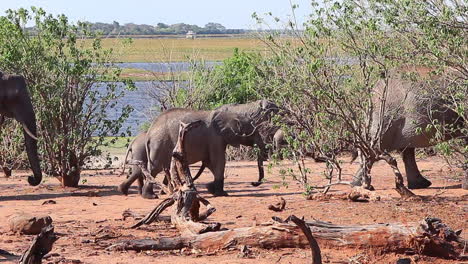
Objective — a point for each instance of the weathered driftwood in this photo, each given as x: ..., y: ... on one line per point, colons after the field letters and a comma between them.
x: 429, y: 237
x: 278, y: 207
x: 399, y: 184
x: 40, y: 246
x: 314, y: 247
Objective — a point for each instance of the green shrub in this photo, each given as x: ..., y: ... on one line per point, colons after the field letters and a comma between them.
x: 62, y: 73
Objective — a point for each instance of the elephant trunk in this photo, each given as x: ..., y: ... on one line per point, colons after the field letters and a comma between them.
x: 31, y: 149
x: 24, y: 113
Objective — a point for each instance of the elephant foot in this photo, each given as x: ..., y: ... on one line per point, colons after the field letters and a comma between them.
x: 420, y: 183
x: 256, y: 184
x: 148, y: 192
x: 149, y: 196
x: 123, y: 189
x: 33, y: 181
x: 358, y: 182
x: 216, y: 190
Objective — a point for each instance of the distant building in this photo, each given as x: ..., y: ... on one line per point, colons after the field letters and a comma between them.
x: 191, y: 35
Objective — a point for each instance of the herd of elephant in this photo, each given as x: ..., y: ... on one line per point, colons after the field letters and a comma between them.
x: 405, y: 116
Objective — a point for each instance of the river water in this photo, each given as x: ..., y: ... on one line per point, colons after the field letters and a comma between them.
x: 142, y: 99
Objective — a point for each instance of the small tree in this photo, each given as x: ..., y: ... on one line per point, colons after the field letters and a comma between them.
x: 73, y: 83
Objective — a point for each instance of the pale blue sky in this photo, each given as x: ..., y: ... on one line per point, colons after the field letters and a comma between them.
x: 230, y: 13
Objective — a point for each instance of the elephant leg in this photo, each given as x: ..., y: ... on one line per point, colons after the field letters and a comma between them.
x: 261, y: 172
x: 148, y: 191
x: 217, y: 165
x: 125, y: 185
x: 7, y: 171
x: 140, y: 184
x: 414, y: 177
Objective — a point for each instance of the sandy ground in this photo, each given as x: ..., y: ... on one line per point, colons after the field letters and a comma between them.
x: 89, y: 218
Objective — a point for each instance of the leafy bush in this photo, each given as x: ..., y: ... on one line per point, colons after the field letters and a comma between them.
x: 12, y: 147
x: 204, y: 87
x: 73, y: 87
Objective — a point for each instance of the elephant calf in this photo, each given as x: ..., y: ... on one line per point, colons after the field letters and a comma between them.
x: 137, y: 151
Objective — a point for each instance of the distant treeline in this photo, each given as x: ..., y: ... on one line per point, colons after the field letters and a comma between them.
x: 116, y: 28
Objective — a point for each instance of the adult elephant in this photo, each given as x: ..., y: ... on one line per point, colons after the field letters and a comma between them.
x: 15, y: 102
x: 259, y: 111
x: 410, y: 107
x: 206, y: 143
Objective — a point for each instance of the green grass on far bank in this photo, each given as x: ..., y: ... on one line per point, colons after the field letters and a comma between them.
x: 144, y: 75
x: 119, y: 147
x: 176, y: 49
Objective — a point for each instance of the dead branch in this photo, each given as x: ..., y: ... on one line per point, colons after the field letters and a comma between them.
x: 316, y: 254
x: 359, y: 194
x: 40, y: 246
x: 399, y: 184
x: 186, y: 215
x: 278, y: 207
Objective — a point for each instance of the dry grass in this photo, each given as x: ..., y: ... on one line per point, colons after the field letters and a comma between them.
x: 165, y: 50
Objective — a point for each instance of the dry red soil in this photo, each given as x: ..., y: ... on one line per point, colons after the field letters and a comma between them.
x: 89, y: 218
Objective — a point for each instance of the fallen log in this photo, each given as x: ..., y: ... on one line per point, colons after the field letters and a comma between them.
x: 429, y: 237
x: 41, y: 245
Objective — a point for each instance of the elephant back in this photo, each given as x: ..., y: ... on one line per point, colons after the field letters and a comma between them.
x: 413, y: 100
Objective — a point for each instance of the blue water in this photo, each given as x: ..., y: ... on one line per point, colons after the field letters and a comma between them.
x: 164, y: 66
x: 143, y: 99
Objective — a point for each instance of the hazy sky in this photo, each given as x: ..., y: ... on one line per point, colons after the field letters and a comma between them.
x: 230, y: 13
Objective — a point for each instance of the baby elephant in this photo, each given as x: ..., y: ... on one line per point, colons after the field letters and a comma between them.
x: 137, y: 151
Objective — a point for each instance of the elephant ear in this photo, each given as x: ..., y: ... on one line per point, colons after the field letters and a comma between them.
x: 228, y: 126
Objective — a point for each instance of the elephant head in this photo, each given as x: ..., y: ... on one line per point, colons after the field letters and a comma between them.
x: 235, y: 129
x: 15, y: 102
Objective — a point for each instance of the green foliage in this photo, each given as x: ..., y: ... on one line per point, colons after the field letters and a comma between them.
x: 323, y: 77
x: 160, y: 29
x: 12, y: 146
x: 63, y: 75
x: 203, y: 87
x: 232, y: 82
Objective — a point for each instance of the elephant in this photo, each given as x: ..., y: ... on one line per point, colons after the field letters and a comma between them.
x: 137, y: 151
x: 408, y: 111
x: 15, y: 102
x: 206, y: 143
x: 260, y: 111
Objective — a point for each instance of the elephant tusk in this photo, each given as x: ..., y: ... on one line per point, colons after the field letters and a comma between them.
x: 29, y: 132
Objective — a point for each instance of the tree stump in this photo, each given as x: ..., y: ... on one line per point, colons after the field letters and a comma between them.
x: 40, y: 246
x: 186, y: 214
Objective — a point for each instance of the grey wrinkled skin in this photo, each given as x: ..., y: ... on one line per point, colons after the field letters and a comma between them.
x: 259, y: 111
x: 278, y: 140
x: 410, y: 106
x: 206, y: 143
x: 137, y: 151
x: 15, y: 102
